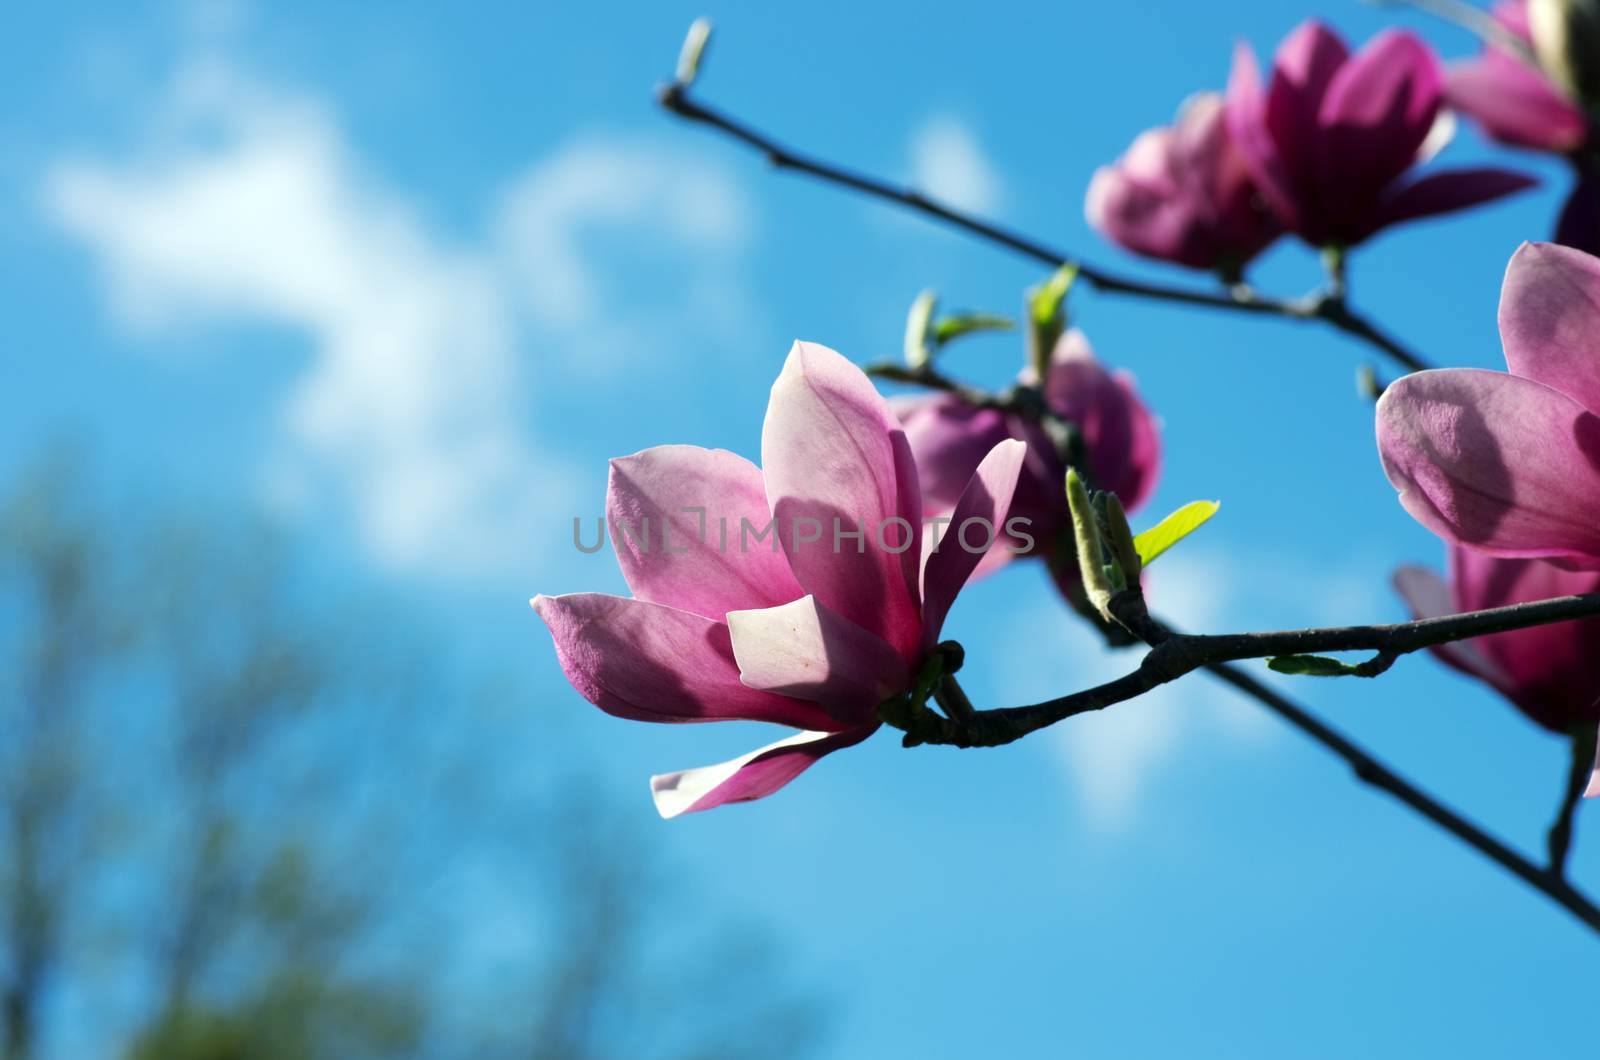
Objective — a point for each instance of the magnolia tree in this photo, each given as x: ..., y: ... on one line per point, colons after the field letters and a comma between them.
x: 810, y: 591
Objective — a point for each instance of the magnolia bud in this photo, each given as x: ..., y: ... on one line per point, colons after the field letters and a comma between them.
x: 1091, y: 549
x: 919, y: 322
x: 693, y: 51
x: 1566, y: 39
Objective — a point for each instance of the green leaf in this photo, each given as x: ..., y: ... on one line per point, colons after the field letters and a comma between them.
x: 918, y: 323
x: 1313, y: 666
x: 1174, y: 528
x: 1045, y: 300
x: 947, y: 328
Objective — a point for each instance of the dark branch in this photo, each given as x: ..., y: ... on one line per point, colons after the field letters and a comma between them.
x: 1174, y: 655
x: 1559, y: 841
x: 1372, y: 771
x: 1334, y: 311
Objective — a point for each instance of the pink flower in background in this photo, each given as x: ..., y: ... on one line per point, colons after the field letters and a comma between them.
x: 1511, y: 98
x: 1331, y: 138
x: 1121, y: 446
x: 812, y: 633
x: 1551, y: 673
x: 1509, y: 464
x: 1517, y: 104
x: 1182, y: 194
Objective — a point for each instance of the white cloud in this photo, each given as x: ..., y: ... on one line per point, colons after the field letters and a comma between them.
x: 246, y: 204
x: 625, y: 187
x: 948, y: 164
x: 657, y: 204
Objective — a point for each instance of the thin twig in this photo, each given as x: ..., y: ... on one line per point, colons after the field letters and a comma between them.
x: 1175, y: 655
x: 1559, y: 840
x: 675, y: 98
x: 1372, y: 771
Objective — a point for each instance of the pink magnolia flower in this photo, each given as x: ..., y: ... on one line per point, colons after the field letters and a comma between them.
x: 1509, y: 464
x: 812, y: 624
x: 1332, y: 136
x: 1182, y: 194
x: 1517, y: 104
x: 1121, y: 446
x: 1511, y: 98
x: 1551, y: 673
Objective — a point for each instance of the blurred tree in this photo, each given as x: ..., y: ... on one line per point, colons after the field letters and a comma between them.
x: 225, y: 829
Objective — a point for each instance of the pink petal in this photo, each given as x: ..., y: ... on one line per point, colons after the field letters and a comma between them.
x: 1247, y: 124
x: 1515, y: 103
x: 708, y: 562
x: 835, y: 458
x: 1121, y: 438
x: 1552, y: 673
x: 803, y: 649
x: 1593, y: 790
x: 1157, y: 223
x: 1427, y: 596
x: 1446, y: 192
x: 1303, y: 73
x: 1550, y: 319
x: 647, y: 662
x: 1377, y: 112
x: 750, y: 776
x: 949, y: 439
x: 1210, y: 166
x: 975, y: 525
x: 1498, y: 463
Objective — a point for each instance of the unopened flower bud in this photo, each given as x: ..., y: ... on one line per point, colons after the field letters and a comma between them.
x: 1566, y: 39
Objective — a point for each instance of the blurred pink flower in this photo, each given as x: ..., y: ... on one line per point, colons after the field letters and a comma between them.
x: 813, y: 632
x: 1517, y: 104
x: 1511, y: 98
x: 1509, y: 464
x: 1182, y: 194
x: 1118, y: 433
x: 1331, y: 136
x: 1551, y: 673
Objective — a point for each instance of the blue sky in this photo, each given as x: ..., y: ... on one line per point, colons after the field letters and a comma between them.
x: 407, y: 280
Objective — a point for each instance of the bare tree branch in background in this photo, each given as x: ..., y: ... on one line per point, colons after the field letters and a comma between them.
x: 239, y: 800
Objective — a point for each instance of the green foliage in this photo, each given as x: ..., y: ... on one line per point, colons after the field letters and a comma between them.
x: 947, y: 329
x: 1174, y: 528
x: 1313, y: 666
x: 927, y: 335
x: 1047, y: 301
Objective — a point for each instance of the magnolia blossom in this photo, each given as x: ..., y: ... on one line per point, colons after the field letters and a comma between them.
x: 1182, y: 194
x: 812, y: 625
x: 1509, y: 464
x: 1331, y: 138
x: 1504, y: 464
x: 1519, y: 104
x: 1515, y: 101
x: 1551, y: 673
x: 1119, y: 436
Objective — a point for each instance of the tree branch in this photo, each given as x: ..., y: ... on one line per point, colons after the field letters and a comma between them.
x: 1371, y: 771
x: 1334, y: 311
x: 1174, y: 655
x: 1559, y: 841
